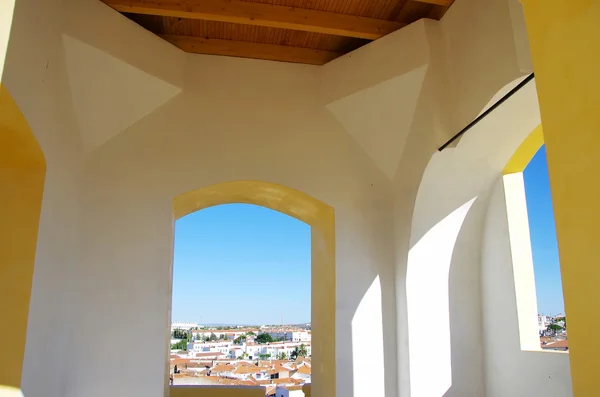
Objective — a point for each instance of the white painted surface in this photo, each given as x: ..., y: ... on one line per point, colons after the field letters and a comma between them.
x: 427, y: 297
x: 110, y: 98
x: 510, y: 371
x: 215, y: 132
x: 454, y: 300
x: 367, y: 322
x: 379, y: 117
x: 6, y: 13
x: 522, y: 261
x: 105, y: 242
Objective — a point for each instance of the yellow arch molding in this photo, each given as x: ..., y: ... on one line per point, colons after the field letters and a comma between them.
x: 22, y: 174
x: 523, y: 155
x: 320, y: 217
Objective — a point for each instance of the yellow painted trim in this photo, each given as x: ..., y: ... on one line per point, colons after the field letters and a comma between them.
x: 523, y: 155
x: 321, y: 218
x: 22, y: 174
x: 564, y: 37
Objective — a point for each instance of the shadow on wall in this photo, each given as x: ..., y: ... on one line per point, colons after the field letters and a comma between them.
x: 427, y: 290
x: 464, y: 306
x: 444, y: 308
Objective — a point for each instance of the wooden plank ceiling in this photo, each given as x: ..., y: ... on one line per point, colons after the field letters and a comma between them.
x: 301, y: 31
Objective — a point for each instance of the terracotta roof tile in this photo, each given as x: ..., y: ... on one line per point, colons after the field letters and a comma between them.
x: 305, y: 370
x: 282, y: 381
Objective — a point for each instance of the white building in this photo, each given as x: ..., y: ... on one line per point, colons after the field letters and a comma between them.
x: 301, y: 336
x: 303, y: 372
x: 274, y: 349
x: 543, y: 322
x: 222, y: 347
x: 293, y: 335
x: 183, y: 325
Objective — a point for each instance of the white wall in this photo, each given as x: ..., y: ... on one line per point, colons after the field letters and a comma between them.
x: 234, y: 120
x: 476, y: 50
x: 511, y: 371
x: 103, y: 264
x: 35, y: 75
x: 522, y: 260
x: 460, y: 284
x: 105, y: 243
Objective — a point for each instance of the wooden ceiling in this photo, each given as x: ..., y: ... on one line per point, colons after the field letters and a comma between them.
x: 301, y: 31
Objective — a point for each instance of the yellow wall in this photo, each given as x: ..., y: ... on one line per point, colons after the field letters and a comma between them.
x: 320, y: 217
x: 22, y: 172
x: 524, y: 153
x: 565, y: 42
x: 217, y: 391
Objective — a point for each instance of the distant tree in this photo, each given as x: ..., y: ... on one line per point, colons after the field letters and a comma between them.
x: 181, y: 345
x: 264, y: 356
x: 250, y: 333
x: 264, y: 338
x: 554, y: 327
x: 282, y: 356
x: 239, y: 340
x: 222, y: 336
x: 212, y: 337
x: 299, y: 352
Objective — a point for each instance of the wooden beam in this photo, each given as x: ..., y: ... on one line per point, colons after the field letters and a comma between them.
x: 445, y: 3
x: 260, y: 14
x: 245, y: 49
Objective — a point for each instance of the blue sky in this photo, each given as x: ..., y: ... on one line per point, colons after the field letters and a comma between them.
x: 543, y: 236
x: 242, y: 264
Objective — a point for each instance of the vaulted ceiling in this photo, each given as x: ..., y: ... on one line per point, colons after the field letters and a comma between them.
x: 301, y: 31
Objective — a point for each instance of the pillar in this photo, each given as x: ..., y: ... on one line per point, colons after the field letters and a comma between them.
x: 564, y: 38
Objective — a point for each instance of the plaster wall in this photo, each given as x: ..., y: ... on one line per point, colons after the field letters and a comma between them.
x: 105, y: 245
x: 34, y: 74
x: 510, y: 370
x: 234, y: 120
x: 453, y: 347
x: 477, y: 52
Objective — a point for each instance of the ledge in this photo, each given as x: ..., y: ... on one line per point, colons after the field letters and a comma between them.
x: 216, y: 391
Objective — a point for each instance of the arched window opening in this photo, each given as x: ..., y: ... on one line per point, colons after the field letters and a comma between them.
x: 241, y: 303
x: 534, y: 251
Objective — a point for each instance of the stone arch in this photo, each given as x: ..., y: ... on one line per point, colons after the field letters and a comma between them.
x: 22, y: 175
x: 321, y: 219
